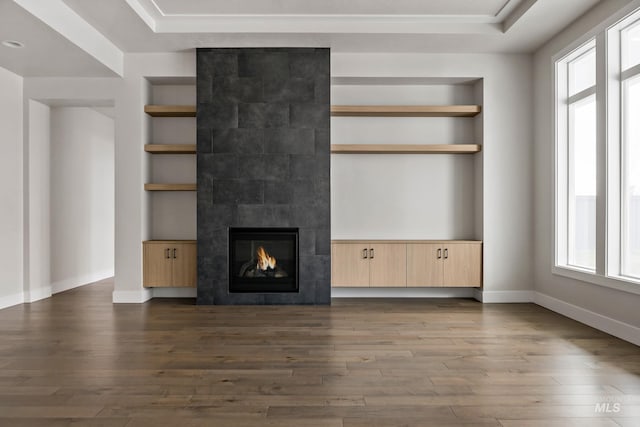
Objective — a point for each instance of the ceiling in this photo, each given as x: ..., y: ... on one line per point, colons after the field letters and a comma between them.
x: 87, y: 38
x: 46, y: 52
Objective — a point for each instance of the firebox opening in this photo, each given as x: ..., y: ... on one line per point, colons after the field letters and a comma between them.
x: 263, y: 260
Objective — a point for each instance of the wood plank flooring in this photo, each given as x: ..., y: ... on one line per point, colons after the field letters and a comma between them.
x: 78, y: 360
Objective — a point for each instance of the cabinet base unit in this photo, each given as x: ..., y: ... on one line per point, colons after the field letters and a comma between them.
x: 444, y: 264
x: 411, y: 263
x: 169, y: 263
x: 349, y: 265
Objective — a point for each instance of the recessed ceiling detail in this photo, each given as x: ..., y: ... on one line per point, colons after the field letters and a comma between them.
x: 89, y: 38
x: 330, y: 7
x: 331, y: 16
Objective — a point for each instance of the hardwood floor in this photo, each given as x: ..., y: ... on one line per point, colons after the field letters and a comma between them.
x: 77, y: 359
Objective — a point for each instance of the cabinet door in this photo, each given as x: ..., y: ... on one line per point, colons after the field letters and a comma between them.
x: 185, y: 265
x: 349, y: 267
x: 388, y: 265
x: 157, y: 264
x: 424, y: 264
x: 463, y: 264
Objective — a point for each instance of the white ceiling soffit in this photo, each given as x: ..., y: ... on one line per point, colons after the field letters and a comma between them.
x: 64, y: 20
x: 331, y: 16
x: 46, y: 53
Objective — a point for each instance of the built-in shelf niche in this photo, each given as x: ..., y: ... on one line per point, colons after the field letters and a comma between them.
x: 170, y: 147
x: 406, y: 158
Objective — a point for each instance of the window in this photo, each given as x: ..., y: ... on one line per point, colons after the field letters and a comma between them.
x: 597, y: 209
x: 577, y: 142
x: 630, y: 46
x: 630, y: 152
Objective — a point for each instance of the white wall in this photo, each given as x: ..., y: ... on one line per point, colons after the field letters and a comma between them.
x: 133, y: 168
x: 39, y: 94
x: 82, y: 197
x: 37, y: 283
x: 11, y: 189
x: 612, y: 310
x: 25, y: 256
x: 402, y: 196
x: 505, y: 163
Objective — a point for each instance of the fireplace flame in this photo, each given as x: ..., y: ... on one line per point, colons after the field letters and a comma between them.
x: 265, y: 261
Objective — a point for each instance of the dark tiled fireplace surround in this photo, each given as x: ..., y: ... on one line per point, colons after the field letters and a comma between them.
x: 264, y: 161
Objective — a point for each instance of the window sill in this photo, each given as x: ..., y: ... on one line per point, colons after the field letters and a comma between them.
x: 624, y: 284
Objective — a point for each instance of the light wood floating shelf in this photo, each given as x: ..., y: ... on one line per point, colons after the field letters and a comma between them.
x: 404, y: 241
x: 405, y: 148
x: 170, y: 187
x: 170, y: 110
x: 346, y: 110
x: 170, y: 148
x: 406, y: 110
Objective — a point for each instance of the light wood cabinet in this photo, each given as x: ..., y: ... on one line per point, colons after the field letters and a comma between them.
x: 349, y: 265
x: 169, y: 263
x: 387, y: 265
x: 368, y: 264
x: 462, y: 264
x: 447, y: 264
x: 422, y: 266
x: 406, y: 263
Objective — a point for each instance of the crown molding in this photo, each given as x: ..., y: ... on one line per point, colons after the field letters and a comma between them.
x: 160, y: 21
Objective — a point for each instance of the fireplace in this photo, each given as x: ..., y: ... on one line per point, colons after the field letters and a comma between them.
x: 263, y: 143
x: 263, y: 260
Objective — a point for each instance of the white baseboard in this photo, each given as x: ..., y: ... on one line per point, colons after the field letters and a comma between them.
x: 131, y: 297
x: 503, y: 296
x: 37, y: 294
x: 11, y: 300
x: 402, y: 292
x: 76, y: 282
x: 606, y: 324
x: 175, y: 292
x: 478, y: 294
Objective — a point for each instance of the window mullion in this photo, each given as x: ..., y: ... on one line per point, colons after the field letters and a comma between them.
x: 631, y: 72
x: 601, y: 154
x: 561, y: 165
x: 613, y: 156
x: 582, y: 95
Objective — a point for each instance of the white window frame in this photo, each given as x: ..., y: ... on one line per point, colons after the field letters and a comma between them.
x: 616, y: 78
x: 563, y: 147
x: 608, y: 98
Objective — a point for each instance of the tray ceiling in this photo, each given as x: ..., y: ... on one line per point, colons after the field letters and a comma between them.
x: 90, y: 37
x: 488, y: 8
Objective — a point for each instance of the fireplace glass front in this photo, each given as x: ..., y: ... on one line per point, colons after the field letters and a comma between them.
x: 263, y: 260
